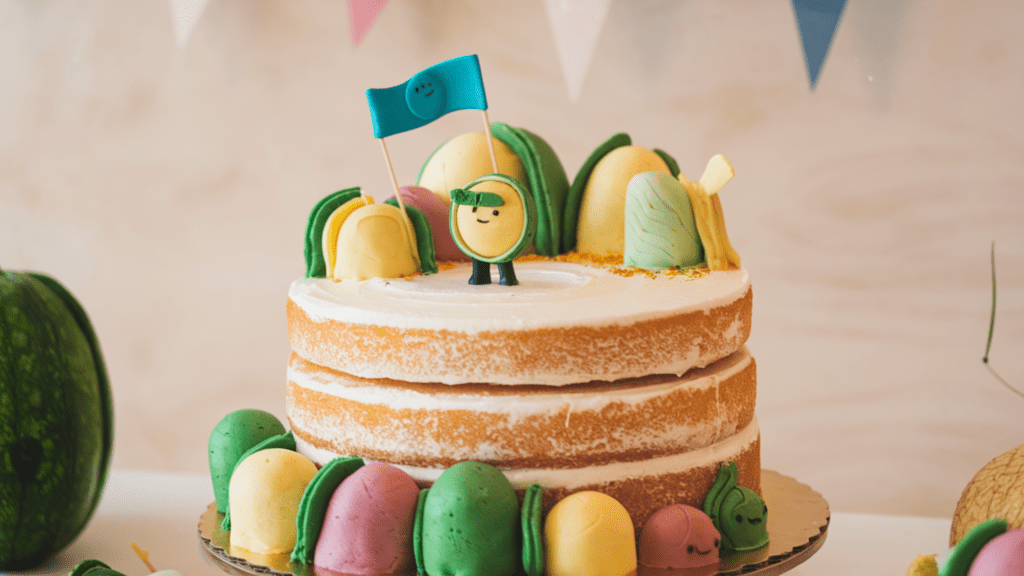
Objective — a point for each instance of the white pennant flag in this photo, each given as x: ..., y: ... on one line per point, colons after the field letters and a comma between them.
x: 186, y: 14
x: 576, y: 25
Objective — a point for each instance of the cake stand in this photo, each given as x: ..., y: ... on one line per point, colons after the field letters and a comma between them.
x: 797, y: 526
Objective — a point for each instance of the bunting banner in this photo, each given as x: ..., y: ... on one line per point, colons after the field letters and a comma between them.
x: 576, y: 25
x: 817, y: 20
x: 185, y: 15
x: 362, y: 15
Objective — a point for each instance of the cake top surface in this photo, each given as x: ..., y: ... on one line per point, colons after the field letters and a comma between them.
x: 551, y: 294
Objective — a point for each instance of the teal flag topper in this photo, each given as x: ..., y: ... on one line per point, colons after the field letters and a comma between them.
x: 452, y: 85
x: 465, y: 197
x: 817, y: 20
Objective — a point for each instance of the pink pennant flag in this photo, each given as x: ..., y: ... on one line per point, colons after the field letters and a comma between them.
x: 362, y: 14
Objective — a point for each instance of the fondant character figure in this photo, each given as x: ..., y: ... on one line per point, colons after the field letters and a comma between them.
x: 679, y: 536
x: 739, y: 514
x: 493, y: 220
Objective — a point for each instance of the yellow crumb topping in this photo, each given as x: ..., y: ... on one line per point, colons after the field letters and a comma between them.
x: 613, y: 263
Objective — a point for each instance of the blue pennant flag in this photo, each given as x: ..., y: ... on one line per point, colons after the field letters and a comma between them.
x: 452, y: 85
x: 818, y: 20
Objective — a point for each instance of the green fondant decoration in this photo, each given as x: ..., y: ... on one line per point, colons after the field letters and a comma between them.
x: 959, y: 561
x: 470, y: 524
x: 424, y: 237
x: 533, y: 531
x: 93, y: 568
x: 232, y: 437
x: 660, y: 229
x: 739, y: 514
x: 673, y: 166
x: 529, y: 221
x: 286, y: 441
x: 465, y: 197
x: 313, y: 506
x: 573, y: 201
x: 547, y: 182
x: 313, y: 250
x: 417, y: 531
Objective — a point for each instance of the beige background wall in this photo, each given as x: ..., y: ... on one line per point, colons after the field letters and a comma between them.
x: 168, y: 189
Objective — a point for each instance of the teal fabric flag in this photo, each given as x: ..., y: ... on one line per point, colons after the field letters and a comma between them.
x: 817, y: 20
x: 452, y: 85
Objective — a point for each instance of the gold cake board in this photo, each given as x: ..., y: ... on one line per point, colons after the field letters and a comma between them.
x: 797, y: 525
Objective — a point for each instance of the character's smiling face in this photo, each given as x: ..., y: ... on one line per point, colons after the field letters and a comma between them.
x: 425, y: 95
x: 491, y: 231
x: 745, y: 519
x: 679, y: 536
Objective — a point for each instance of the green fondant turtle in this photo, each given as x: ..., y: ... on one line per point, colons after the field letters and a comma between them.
x: 739, y: 514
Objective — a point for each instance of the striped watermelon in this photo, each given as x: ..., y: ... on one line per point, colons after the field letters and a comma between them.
x: 56, y: 419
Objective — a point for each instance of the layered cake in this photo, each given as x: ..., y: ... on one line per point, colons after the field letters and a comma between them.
x: 529, y: 418
x: 579, y: 378
x: 588, y: 374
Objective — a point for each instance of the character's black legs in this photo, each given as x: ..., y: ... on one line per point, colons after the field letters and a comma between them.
x: 482, y: 273
x: 507, y: 274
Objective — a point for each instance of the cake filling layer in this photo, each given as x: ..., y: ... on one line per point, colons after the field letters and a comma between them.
x: 435, y: 425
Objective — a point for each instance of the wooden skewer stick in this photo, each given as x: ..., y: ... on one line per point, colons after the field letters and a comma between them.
x: 410, y: 234
x: 144, y: 556
x: 490, y: 144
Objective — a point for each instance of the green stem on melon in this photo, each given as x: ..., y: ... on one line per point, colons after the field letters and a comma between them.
x: 991, y: 329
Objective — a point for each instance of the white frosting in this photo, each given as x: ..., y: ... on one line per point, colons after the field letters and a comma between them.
x: 573, y: 478
x: 550, y: 295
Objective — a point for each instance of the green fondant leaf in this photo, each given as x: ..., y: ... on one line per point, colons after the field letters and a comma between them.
x: 579, y: 183
x: 533, y: 531
x: 547, y: 182
x: 417, y: 532
x: 424, y: 237
x: 313, y: 249
x: 309, y: 520
x: 88, y: 567
x: 673, y: 166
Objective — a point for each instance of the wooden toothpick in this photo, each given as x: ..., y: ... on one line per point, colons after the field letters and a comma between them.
x: 144, y: 556
x: 490, y: 144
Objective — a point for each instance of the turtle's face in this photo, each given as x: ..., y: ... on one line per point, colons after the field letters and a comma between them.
x: 491, y: 231
x: 744, y: 519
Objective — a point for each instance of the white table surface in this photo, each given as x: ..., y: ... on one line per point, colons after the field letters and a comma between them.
x: 160, y: 512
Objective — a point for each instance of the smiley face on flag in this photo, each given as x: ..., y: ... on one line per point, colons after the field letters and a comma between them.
x: 452, y: 85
